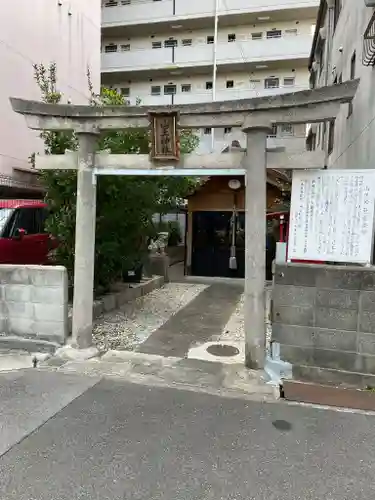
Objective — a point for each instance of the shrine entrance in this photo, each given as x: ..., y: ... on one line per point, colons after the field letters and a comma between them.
x: 255, y: 117
x: 213, y: 242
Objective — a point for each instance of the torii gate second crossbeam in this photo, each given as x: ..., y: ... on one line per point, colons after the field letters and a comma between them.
x: 254, y: 116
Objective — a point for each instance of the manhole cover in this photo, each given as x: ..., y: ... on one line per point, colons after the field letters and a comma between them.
x: 222, y: 350
x: 282, y: 425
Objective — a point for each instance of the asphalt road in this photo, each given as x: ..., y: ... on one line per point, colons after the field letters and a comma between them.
x: 109, y: 440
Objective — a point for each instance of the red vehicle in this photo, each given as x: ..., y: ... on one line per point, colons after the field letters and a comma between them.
x: 23, y: 239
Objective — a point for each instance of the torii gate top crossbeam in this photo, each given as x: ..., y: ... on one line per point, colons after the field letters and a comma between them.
x: 307, y: 106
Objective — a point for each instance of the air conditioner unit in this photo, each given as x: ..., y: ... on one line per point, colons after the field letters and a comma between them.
x: 370, y: 3
x: 323, y: 33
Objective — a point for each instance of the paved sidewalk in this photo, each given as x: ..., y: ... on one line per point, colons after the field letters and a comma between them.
x: 79, y: 438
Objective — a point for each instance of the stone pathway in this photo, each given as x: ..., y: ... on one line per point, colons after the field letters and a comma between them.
x: 200, y: 320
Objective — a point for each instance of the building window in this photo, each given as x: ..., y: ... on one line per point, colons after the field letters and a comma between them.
x: 291, y: 32
x: 110, y: 3
x: 156, y: 45
x: 125, y: 91
x: 186, y: 87
x: 230, y: 84
x: 289, y: 81
x: 209, y: 85
x: 273, y: 34
x: 257, y: 36
x: 231, y: 37
x: 210, y: 39
x: 207, y: 131
x: 228, y: 130
x: 170, y: 43
x: 187, y: 42
x: 170, y: 89
x: 272, y: 83
x: 110, y: 48
x: 331, y: 136
x: 155, y: 90
x: 125, y: 47
x: 273, y: 132
x: 287, y: 129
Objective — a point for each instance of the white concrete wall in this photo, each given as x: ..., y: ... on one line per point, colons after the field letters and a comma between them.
x: 41, y: 31
x: 354, y: 136
x: 141, y: 11
x: 295, y: 43
x: 354, y: 144
x: 34, y: 302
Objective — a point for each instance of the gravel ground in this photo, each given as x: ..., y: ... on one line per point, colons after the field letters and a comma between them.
x: 128, y: 327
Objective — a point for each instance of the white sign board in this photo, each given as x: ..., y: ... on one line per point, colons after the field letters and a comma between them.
x: 332, y: 216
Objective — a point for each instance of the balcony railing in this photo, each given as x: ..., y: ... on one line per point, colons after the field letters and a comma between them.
x: 206, y: 95
x: 368, y: 57
x: 127, y: 12
x: 221, y: 141
x: 171, y: 58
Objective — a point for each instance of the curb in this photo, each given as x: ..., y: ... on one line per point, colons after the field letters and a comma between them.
x: 341, y: 397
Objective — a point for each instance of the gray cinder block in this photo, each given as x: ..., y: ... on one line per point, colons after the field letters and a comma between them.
x: 290, y: 295
x: 340, y: 299
x: 34, y: 302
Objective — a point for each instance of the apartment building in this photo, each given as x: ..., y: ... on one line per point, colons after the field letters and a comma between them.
x: 344, y: 49
x: 189, y: 51
x: 66, y: 32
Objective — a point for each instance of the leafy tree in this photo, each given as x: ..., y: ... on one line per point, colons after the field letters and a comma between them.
x: 125, y: 204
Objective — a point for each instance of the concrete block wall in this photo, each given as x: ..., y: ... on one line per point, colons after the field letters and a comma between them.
x: 34, y: 303
x: 324, y: 317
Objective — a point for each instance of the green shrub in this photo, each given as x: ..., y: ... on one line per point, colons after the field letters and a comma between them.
x: 125, y: 205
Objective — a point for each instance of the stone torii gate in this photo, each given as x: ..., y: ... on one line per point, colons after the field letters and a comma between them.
x: 254, y: 116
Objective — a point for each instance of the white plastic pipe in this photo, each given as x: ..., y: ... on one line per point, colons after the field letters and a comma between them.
x: 214, y: 70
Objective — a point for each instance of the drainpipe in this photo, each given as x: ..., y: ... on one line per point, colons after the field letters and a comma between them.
x: 328, y: 66
x: 214, y: 72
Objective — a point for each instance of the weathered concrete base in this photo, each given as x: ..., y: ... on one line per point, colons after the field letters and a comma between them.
x: 328, y: 395
x: 188, y: 374
x: 70, y: 353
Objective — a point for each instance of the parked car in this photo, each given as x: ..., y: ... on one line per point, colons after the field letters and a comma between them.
x: 23, y: 239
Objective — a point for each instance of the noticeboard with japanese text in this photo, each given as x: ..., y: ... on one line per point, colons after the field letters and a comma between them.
x: 164, y: 137
x: 332, y: 216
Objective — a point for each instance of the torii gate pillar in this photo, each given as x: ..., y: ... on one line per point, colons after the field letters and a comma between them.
x: 84, y: 258
x: 255, y: 163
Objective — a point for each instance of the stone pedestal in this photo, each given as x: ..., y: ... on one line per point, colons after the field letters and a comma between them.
x: 159, y: 265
